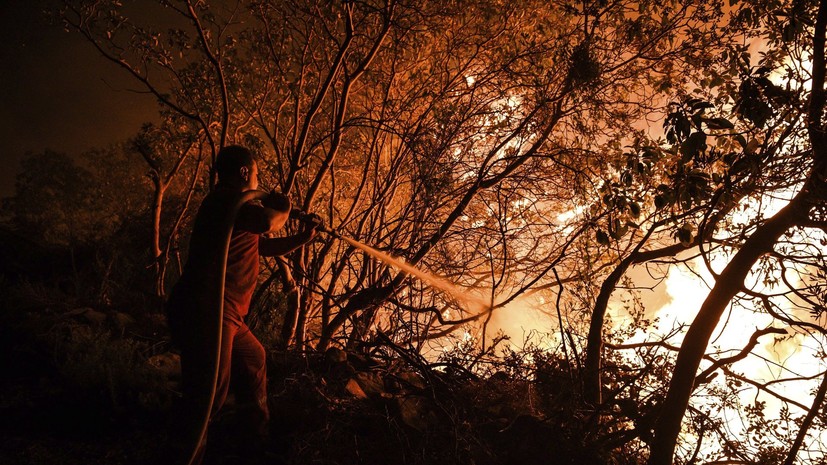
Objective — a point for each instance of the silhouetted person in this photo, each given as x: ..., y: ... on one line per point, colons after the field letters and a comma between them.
x: 240, y: 351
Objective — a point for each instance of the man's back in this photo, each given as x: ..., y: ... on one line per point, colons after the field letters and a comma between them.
x: 206, y: 246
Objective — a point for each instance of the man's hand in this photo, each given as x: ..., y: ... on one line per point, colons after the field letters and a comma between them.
x: 277, y: 201
x: 280, y: 246
x: 311, y: 223
x: 312, y: 220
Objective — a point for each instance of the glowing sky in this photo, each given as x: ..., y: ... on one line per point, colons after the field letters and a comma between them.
x: 57, y: 93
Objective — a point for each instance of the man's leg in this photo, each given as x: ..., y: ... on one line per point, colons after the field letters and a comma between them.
x: 229, y: 335
x: 250, y: 364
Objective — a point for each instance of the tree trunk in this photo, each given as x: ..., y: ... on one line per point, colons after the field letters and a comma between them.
x: 808, y: 421
x: 363, y: 300
x: 157, y: 256
x: 291, y: 292
x: 728, y: 284
x: 301, y: 320
x: 592, y: 383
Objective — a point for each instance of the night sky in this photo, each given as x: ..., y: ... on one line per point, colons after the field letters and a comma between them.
x: 57, y: 93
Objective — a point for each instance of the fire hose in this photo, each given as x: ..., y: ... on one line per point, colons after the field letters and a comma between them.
x: 215, y: 311
x: 215, y: 307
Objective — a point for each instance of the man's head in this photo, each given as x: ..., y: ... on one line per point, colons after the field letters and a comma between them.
x: 237, y: 167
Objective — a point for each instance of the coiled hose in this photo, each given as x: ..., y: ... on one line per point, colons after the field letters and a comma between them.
x: 215, y: 309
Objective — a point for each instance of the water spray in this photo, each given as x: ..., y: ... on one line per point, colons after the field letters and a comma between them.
x: 471, y: 301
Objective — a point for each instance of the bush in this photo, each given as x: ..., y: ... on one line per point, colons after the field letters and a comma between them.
x: 110, y: 372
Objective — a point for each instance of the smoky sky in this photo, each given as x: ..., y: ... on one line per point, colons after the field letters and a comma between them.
x: 56, y: 92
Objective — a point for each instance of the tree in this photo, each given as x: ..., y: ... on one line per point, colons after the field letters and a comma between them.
x: 805, y: 209
x: 77, y: 204
x: 152, y: 144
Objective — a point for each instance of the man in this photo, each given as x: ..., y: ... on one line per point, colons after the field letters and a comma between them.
x: 189, y: 303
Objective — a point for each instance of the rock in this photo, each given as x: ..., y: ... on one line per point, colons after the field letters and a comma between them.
x: 361, y: 362
x: 415, y: 412
x: 156, y: 321
x: 121, y: 320
x: 365, y: 385
x: 337, y: 366
x: 94, y: 317
x: 334, y: 355
x: 340, y: 371
x: 87, y: 315
x: 411, y: 380
x: 168, y: 363
x: 371, y: 383
x: 75, y: 312
x: 353, y: 388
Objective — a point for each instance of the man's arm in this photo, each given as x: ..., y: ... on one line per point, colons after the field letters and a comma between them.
x: 278, y: 246
x: 270, y: 217
x: 260, y: 220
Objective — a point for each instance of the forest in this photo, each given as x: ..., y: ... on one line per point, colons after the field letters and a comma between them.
x: 556, y: 232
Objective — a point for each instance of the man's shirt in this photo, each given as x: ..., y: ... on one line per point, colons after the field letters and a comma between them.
x: 200, y: 273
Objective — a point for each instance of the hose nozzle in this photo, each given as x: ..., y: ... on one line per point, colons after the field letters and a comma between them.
x: 322, y: 227
x: 312, y: 219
